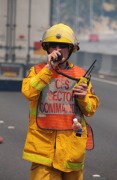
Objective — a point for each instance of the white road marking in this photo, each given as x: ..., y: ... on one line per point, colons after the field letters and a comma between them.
x: 96, y: 175
x: 1, y: 121
x: 11, y: 127
x: 104, y: 80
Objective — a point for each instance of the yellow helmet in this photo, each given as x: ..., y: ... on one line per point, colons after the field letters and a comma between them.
x: 60, y: 33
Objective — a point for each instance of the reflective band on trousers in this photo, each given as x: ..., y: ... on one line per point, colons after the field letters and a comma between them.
x: 37, y: 158
x: 74, y: 166
x: 42, y: 160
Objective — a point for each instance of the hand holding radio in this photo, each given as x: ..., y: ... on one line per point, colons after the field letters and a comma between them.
x: 80, y: 89
x: 54, y: 59
x: 58, y: 59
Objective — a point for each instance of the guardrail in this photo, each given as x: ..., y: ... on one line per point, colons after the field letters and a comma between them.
x: 105, y: 65
x: 11, y: 74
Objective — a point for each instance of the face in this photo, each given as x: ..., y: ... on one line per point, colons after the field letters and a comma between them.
x: 63, y: 47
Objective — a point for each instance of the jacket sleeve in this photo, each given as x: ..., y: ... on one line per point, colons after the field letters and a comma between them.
x: 90, y: 103
x: 33, y: 84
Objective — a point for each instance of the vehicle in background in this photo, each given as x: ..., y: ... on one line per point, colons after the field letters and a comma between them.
x: 94, y: 37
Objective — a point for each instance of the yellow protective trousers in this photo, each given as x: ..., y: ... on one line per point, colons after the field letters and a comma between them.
x: 42, y: 172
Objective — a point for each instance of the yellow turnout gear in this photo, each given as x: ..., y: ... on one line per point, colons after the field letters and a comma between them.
x: 62, y: 150
x: 60, y: 33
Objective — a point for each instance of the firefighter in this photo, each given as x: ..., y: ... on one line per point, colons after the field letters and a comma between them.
x: 55, y: 150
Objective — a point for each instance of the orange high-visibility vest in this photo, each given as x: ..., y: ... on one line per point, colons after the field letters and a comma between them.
x: 57, y: 107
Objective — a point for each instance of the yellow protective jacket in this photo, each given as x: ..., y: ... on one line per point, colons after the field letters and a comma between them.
x: 61, y: 149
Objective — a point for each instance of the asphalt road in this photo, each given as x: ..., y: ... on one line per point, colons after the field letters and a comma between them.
x: 103, y: 159
x: 13, y: 126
